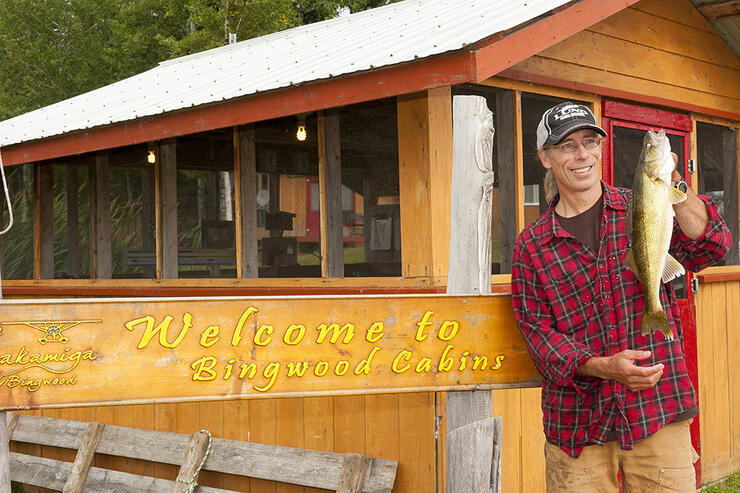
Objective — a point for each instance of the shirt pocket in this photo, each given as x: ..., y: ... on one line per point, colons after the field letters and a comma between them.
x: 574, y: 303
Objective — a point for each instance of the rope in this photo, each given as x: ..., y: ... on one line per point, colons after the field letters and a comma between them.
x: 7, y: 197
x: 192, y: 484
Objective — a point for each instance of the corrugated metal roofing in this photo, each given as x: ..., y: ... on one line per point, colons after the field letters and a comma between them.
x: 381, y: 37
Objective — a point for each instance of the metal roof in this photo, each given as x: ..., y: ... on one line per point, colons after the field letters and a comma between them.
x: 727, y: 24
x: 376, y: 38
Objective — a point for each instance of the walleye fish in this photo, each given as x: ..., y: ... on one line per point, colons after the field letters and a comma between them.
x: 650, y: 224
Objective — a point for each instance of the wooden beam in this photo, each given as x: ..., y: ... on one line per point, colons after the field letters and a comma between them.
x: 330, y: 193
x: 245, y: 199
x: 720, y: 10
x: 167, y: 192
x: 71, y: 183
x: 44, y: 225
x: 101, y: 262
x: 81, y: 466
x: 505, y: 148
x: 198, y: 447
x: 354, y: 469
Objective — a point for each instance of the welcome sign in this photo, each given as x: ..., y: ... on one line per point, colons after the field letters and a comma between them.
x: 56, y: 353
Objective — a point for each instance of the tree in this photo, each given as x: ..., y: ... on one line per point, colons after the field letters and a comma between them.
x: 56, y: 49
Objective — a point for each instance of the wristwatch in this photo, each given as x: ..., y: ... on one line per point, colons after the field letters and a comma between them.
x: 681, y: 185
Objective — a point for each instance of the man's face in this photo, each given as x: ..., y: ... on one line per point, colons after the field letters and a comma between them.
x: 577, y: 172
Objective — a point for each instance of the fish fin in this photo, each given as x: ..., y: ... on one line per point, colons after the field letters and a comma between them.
x: 629, y: 262
x: 676, y: 196
x: 628, y: 216
x: 672, y: 269
x: 656, y: 322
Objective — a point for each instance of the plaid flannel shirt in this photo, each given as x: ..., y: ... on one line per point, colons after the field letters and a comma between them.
x: 572, y: 304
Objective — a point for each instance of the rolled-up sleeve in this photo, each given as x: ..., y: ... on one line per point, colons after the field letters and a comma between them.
x: 707, y: 249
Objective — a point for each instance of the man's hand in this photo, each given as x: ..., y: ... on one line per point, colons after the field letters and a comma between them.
x: 622, y: 368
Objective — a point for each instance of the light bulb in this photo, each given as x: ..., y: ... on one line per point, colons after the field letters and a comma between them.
x: 151, y: 158
x: 301, y: 133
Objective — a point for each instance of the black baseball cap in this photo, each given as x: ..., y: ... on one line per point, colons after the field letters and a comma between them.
x: 564, y: 119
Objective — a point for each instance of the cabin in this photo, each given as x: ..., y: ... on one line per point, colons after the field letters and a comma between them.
x: 317, y: 160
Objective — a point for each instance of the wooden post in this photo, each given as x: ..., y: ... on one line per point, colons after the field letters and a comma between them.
x: 245, y: 198
x: 190, y: 468
x: 330, y: 192
x: 470, y: 428
x: 167, y: 265
x: 101, y: 262
x: 73, y: 221
x: 83, y: 459
x: 44, y: 228
x: 353, y: 474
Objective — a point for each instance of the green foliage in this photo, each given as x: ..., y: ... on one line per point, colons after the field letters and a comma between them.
x: 729, y: 485
x: 56, y: 49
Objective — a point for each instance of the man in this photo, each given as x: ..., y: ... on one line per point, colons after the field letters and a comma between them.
x: 612, y: 399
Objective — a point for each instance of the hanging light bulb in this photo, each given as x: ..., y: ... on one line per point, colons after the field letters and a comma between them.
x: 151, y: 157
x: 301, y: 132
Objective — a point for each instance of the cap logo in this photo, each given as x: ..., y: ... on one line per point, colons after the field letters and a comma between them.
x: 572, y: 111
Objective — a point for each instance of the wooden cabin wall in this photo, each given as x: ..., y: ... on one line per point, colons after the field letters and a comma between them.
x: 718, y: 337
x: 657, y: 51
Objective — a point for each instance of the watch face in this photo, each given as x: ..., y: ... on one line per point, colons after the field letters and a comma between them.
x: 682, y: 185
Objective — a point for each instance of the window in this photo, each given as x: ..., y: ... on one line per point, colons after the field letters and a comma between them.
x: 16, y: 245
x: 717, y: 163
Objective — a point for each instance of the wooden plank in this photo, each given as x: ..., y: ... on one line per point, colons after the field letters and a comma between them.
x: 624, y: 86
x: 354, y: 469
x: 101, y: 262
x: 245, y: 198
x: 667, y: 35
x: 144, y: 417
x: 605, y: 53
x: 439, y: 102
x: 236, y: 414
x: 720, y: 358
x: 715, y: 11
x: 211, y: 418
x: 381, y: 427
x: 733, y: 341
x: 44, y: 225
x: 469, y: 455
x: 533, y: 441
x: 472, y: 197
x: 330, y: 194
x: 681, y: 11
x: 703, y: 356
x: 289, y: 432
x: 519, y: 161
x: 730, y: 161
x: 262, y: 429
x: 349, y: 424
x: 167, y: 188
x: 81, y: 466
x: 195, y: 455
x: 505, y: 116
x: 39, y: 471
x: 318, y: 424
x: 507, y: 404
x: 416, y: 441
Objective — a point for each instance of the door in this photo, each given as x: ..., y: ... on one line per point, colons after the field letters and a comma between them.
x: 625, y: 126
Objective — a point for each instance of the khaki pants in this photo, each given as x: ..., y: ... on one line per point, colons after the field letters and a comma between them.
x: 663, y: 462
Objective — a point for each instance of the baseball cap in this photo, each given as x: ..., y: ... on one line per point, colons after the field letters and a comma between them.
x: 563, y: 119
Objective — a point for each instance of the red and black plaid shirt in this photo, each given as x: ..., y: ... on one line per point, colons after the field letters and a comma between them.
x: 572, y: 304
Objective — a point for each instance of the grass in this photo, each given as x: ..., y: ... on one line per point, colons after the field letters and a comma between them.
x: 729, y: 485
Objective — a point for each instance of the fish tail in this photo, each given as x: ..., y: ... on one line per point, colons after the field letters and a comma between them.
x: 654, y: 322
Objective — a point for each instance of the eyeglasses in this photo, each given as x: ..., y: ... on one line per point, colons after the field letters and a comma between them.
x: 570, y: 147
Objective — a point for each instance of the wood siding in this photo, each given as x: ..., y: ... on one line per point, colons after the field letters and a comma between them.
x: 718, y: 335
x: 657, y: 51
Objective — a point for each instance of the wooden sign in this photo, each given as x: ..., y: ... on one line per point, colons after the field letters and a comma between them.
x: 56, y: 353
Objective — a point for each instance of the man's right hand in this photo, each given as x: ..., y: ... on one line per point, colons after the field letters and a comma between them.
x: 622, y: 368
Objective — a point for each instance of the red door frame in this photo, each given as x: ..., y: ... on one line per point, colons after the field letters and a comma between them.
x: 638, y: 117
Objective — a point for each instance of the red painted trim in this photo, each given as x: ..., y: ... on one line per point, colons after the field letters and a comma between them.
x: 615, y: 93
x: 649, y: 116
x: 494, y: 55
x: 439, y: 71
x: 160, y: 291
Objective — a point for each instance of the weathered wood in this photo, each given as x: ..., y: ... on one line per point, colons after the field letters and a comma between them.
x: 472, y: 191
x: 245, y: 173
x: 167, y: 193
x: 101, y: 263
x: 354, y: 470
x: 81, y: 466
x: 12, y: 420
x: 470, y: 428
x: 330, y: 192
x: 44, y: 228
x: 194, y: 455
x: 469, y: 457
x: 719, y: 10
x: 269, y: 462
x: 730, y: 190
x: 496, y: 455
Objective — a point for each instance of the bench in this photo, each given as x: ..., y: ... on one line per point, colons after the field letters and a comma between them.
x: 213, y: 258
x: 344, y: 473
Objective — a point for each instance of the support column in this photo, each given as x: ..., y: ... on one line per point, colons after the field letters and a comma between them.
x: 43, y: 262
x: 101, y: 264
x: 245, y: 188
x: 330, y: 192
x: 166, y: 173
